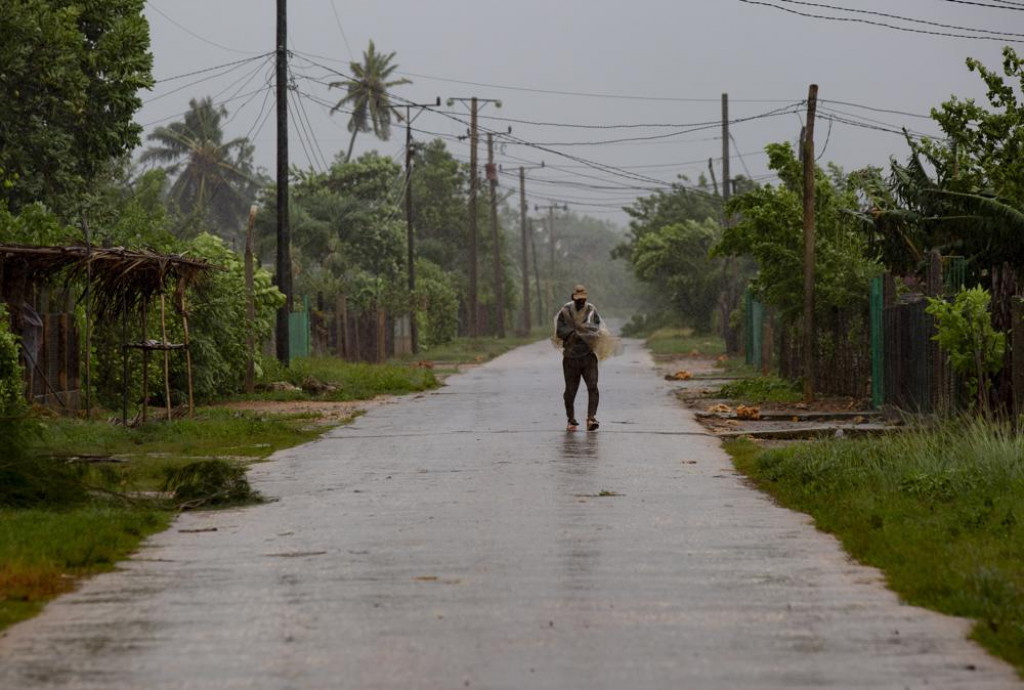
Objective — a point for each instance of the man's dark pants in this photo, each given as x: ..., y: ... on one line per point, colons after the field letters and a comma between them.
x: 575, y: 368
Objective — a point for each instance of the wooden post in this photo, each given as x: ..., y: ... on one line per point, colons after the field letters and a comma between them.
x: 1017, y: 360
x: 167, y: 354
x: 382, y: 334
x: 499, y: 286
x: 250, y: 305
x: 145, y: 365
x: 525, y: 327
x: 188, y: 350
x: 124, y: 362
x: 808, y: 158
x: 473, y: 185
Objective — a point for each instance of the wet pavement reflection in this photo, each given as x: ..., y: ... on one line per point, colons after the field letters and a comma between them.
x: 463, y: 539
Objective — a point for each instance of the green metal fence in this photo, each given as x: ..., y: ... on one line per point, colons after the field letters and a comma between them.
x: 298, y: 331
x: 877, y: 345
x: 753, y: 330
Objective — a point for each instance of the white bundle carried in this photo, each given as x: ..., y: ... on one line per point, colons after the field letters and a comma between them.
x: 596, y: 335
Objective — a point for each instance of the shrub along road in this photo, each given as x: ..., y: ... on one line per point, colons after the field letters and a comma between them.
x: 463, y: 539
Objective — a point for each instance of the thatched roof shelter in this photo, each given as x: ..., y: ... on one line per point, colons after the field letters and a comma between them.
x: 119, y: 279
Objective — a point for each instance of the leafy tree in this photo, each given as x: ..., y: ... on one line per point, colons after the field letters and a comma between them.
x: 12, y: 399
x: 218, y: 323
x: 347, y: 230
x: 676, y: 257
x: 963, y: 194
x: 367, y: 94
x: 439, y: 189
x: 214, y: 182
x: 688, y: 286
x: 965, y: 331
x: 69, y: 82
x: 769, y: 227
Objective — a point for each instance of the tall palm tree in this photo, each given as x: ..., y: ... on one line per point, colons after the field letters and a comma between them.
x: 367, y: 95
x: 215, y: 181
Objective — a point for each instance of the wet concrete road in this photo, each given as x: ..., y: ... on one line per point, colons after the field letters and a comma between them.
x: 460, y: 539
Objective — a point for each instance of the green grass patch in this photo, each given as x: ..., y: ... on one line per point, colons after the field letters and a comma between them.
x: 683, y: 341
x: 43, y: 551
x: 159, y: 447
x: 353, y: 380
x: 941, y: 512
x: 167, y: 465
x: 761, y: 389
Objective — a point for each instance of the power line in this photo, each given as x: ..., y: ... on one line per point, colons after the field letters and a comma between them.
x: 341, y: 29
x: 211, y: 69
x: 224, y: 72
x: 1007, y: 6
x: 898, y: 17
x: 193, y: 34
x: 870, y: 22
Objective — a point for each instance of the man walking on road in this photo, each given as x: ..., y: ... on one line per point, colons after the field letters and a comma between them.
x: 578, y: 328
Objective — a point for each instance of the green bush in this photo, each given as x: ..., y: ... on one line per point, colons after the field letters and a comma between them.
x: 209, y: 483
x: 965, y: 332
x: 762, y: 389
x: 218, y: 323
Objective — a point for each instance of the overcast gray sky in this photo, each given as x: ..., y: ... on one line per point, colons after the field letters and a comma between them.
x: 584, y: 62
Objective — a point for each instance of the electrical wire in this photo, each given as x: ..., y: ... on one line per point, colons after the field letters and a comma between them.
x: 193, y: 34
x: 925, y: 22
x: 870, y: 22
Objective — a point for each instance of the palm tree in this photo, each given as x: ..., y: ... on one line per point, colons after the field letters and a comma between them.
x: 367, y: 95
x: 214, y: 179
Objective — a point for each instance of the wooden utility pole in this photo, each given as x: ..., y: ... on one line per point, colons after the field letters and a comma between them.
x: 551, y: 245
x: 525, y: 326
x: 726, y: 179
x: 808, y: 159
x: 410, y: 234
x: 473, y: 184
x: 250, y: 305
x: 499, y: 282
x: 284, y: 258
x: 536, y: 275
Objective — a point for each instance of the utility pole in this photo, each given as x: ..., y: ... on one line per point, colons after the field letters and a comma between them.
x: 250, y: 304
x: 284, y: 259
x: 525, y: 327
x: 474, y: 182
x: 410, y: 235
x: 499, y: 283
x: 536, y: 275
x: 551, y: 243
x: 808, y: 156
x: 726, y: 180
x: 731, y: 344
x: 711, y: 169
x: 523, y: 209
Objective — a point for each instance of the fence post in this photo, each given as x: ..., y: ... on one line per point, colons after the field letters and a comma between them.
x: 382, y: 331
x: 756, y: 333
x: 877, y: 345
x: 748, y: 327
x: 1017, y: 361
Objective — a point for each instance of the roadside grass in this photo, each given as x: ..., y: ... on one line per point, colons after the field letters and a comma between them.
x: 44, y: 549
x: 761, y: 389
x: 683, y: 341
x: 939, y: 511
x: 154, y: 449
x: 354, y: 380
